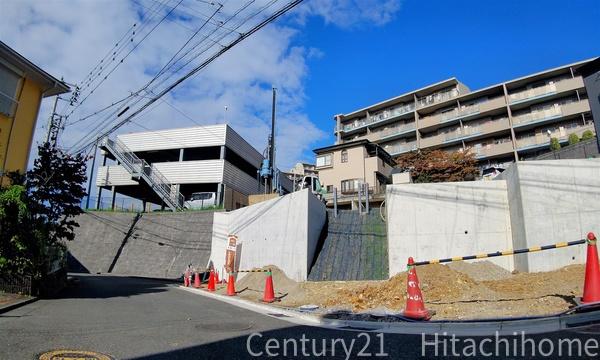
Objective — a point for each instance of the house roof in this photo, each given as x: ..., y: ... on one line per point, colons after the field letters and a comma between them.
x: 52, y: 86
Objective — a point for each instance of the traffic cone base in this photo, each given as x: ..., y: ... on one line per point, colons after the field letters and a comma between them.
x: 591, y: 286
x: 269, y: 295
x: 415, y: 306
x: 231, y: 286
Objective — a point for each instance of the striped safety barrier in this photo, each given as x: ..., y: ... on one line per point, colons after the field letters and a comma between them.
x: 502, y: 253
x: 249, y: 271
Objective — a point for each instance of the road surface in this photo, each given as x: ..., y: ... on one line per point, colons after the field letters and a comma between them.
x: 132, y: 318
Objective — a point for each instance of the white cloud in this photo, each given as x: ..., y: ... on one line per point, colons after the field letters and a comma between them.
x: 67, y: 38
x: 352, y: 13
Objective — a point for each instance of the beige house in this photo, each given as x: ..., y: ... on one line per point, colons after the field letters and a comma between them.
x: 345, y: 166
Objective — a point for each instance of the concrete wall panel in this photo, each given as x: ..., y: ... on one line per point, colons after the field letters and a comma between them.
x: 282, y: 232
x: 432, y: 221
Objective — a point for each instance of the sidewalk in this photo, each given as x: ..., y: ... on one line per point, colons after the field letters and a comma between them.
x: 12, y: 301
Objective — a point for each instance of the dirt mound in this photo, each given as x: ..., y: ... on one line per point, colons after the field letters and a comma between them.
x: 480, y: 270
x: 252, y: 285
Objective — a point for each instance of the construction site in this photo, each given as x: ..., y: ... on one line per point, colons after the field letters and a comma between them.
x: 482, y: 249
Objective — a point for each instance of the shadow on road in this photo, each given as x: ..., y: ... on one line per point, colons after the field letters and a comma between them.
x: 107, y: 286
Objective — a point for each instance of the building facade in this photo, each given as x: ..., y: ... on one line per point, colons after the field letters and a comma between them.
x: 167, y: 166
x: 510, y: 121
x: 23, y: 85
x: 346, y: 166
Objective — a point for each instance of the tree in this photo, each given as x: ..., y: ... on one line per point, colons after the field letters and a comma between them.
x: 554, y: 144
x: 37, y: 210
x: 573, y: 139
x: 439, y: 166
x: 588, y: 134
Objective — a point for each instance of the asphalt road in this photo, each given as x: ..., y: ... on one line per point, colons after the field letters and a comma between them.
x: 132, y: 318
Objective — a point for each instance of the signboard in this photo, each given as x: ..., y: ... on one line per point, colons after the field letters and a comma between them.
x: 230, y: 253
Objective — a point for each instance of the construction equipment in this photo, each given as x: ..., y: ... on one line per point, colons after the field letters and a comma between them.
x: 311, y: 182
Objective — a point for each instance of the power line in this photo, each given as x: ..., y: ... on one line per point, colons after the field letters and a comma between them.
x: 106, y: 119
x: 198, y: 68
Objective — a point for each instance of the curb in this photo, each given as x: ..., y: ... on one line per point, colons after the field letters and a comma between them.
x: 17, y: 304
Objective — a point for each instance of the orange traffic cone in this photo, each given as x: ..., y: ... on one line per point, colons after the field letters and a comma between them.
x: 211, y: 281
x: 269, y: 295
x: 217, y: 277
x: 231, y: 286
x: 197, y: 280
x: 415, y: 306
x: 591, y: 286
x: 186, y: 278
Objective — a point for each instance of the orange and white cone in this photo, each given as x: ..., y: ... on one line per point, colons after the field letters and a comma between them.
x: 211, y: 281
x: 415, y: 306
x: 231, y: 286
x: 197, y: 280
x: 269, y: 295
x: 591, y: 286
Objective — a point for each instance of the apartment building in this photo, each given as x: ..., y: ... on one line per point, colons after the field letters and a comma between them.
x: 345, y: 166
x: 510, y: 121
x: 166, y: 167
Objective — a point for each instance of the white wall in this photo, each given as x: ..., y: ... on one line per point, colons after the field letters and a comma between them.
x: 553, y: 201
x: 433, y: 221
x: 283, y: 232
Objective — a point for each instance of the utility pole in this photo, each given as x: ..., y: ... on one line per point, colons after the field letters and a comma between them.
x: 54, y: 125
x: 89, y: 189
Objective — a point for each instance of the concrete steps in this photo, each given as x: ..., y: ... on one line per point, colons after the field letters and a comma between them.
x: 354, y: 248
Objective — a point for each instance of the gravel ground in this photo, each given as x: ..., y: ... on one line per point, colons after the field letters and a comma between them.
x: 462, y: 291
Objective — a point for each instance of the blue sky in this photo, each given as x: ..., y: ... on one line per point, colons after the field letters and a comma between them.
x: 479, y: 42
x: 326, y: 57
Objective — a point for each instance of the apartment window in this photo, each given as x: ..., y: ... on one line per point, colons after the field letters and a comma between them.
x: 351, y: 185
x: 329, y: 189
x: 324, y: 160
x: 344, y: 156
x: 9, y: 82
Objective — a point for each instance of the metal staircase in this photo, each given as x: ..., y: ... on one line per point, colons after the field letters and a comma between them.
x: 141, y: 170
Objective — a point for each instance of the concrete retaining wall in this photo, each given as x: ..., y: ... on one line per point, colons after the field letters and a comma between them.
x: 431, y: 221
x: 283, y: 232
x: 97, y: 240
x: 553, y: 201
x: 159, y: 245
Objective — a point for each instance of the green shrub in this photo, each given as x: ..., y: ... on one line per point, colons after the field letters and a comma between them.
x: 554, y: 144
x: 573, y: 139
x: 588, y: 134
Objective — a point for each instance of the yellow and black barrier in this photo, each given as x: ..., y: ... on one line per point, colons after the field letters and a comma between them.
x: 502, y: 253
x: 250, y: 271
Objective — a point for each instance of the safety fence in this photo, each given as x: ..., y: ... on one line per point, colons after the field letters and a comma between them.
x: 16, y: 284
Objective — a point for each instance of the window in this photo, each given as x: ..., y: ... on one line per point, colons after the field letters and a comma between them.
x: 329, y: 189
x: 344, y: 156
x: 350, y: 186
x: 9, y: 82
x: 324, y: 160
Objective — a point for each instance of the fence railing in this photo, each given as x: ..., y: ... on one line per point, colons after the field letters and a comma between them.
x: 16, y: 284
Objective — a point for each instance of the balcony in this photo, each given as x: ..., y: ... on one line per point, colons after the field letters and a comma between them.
x: 555, y: 112
x: 448, y: 116
x: 492, y: 104
x: 466, y: 133
x: 543, y: 139
x: 546, y: 90
x: 393, y: 132
x: 379, y: 117
x: 492, y: 150
x: 397, y: 149
x: 437, y: 98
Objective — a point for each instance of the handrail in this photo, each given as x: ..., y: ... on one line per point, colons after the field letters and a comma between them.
x: 138, y: 167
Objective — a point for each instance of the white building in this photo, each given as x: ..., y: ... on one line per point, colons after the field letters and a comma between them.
x: 165, y: 167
